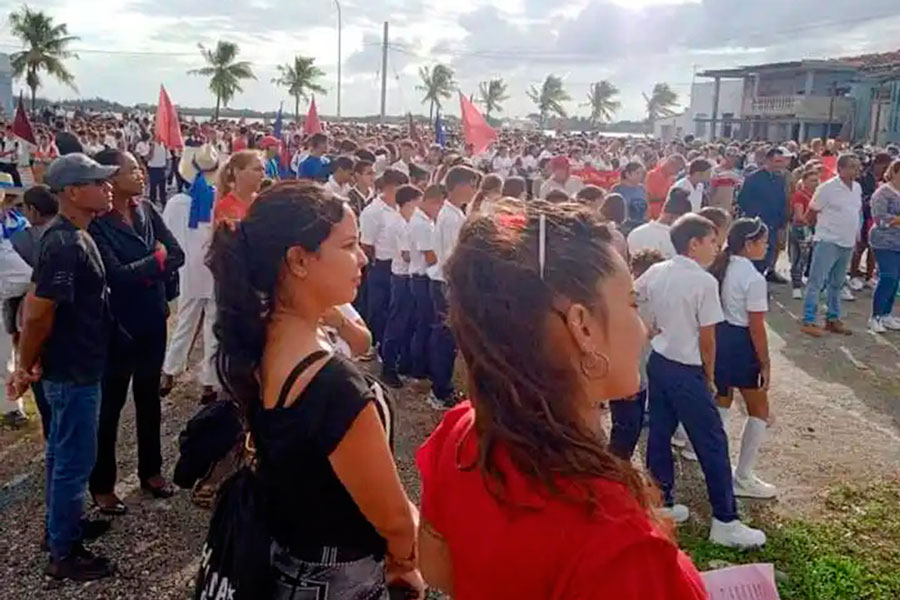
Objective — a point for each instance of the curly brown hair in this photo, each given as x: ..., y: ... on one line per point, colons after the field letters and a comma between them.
x: 525, y: 392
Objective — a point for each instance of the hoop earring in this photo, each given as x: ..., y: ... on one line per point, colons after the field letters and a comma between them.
x: 595, y: 365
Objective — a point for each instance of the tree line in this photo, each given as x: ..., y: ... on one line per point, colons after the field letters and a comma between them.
x: 46, y: 47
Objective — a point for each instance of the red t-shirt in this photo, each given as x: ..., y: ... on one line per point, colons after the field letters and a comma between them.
x: 535, y: 546
x: 657, y: 185
x: 229, y: 208
x: 802, y: 199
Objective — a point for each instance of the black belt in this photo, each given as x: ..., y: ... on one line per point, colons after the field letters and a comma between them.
x: 330, y: 555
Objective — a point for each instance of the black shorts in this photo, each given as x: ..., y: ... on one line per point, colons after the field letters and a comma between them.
x: 737, y: 365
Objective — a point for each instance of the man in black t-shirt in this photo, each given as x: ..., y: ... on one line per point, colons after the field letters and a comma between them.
x: 63, y: 344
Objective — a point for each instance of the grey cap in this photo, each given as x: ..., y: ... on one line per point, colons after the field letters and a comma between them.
x: 74, y: 169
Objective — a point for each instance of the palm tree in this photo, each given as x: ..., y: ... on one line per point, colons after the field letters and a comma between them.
x: 660, y: 103
x: 300, y: 79
x: 225, y: 74
x: 437, y: 83
x: 45, y: 44
x: 493, y: 93
x: 550, y: 98
x: 600, y: 99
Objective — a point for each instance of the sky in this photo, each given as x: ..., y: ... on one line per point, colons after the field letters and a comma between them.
x: 127, y: 48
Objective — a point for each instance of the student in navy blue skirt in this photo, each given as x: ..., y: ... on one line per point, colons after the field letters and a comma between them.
x: 742, y: 347
x: 682, y: 299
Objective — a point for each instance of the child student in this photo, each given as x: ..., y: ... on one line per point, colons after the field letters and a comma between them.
x: 421, y: 259
x: 380, y: 248
x: 628, y: 414
x: 398, y: 331
x: 682, y: 299
x: 742, y: 348
x: 800, y: 235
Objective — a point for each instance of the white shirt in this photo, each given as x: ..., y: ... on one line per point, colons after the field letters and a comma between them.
x: 651, y: 236
x: 195, y: 278
x: 446, y: 232
x: 571, y: 187
x: 158, y: 156
x: 529, y: 163
x: 681, y: 297
x: 340, y: 344
x: 502, y: 165
x: 336, y: 188
x: 10, y: 145
x: 696, y: 193
x: 142, y: 149
x: 373, y: 231
x: 398, y: 231
x: 743, y: 291
x: 401, y: 166
x: 421, y: 239
x: 838, y: 208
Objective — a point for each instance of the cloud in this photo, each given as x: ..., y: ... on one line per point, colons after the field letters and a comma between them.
x: 136, y: 44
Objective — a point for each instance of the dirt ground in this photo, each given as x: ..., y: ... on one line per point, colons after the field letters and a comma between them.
x: 836, y: 401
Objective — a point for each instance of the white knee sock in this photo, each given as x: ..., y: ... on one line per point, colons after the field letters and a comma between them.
x: 751, y: 441
x: 725, y: 413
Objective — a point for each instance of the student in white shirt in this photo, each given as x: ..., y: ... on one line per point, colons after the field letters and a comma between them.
x: 341, y: 179
x: 407, y: 152
x: 380, y: 248
x: 156, y: 170
x: 502, y: 163
x: 699, y: 172
x: 656, y: 235
x: 395, y: 354
x: 461, y: 185
x: 682, y: 300
x: 561, y: 178
x: 742, y: 346
x: 421, y: 257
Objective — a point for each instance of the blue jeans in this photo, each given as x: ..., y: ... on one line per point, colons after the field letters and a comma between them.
x: 71, y: 452
x: 679, y: 393
x: 888, y: 279
x: 828, y: 270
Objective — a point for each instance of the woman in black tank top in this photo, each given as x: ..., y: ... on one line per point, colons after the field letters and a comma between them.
x: 341, y: 522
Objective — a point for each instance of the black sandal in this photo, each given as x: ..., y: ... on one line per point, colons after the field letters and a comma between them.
x: 116, y: 510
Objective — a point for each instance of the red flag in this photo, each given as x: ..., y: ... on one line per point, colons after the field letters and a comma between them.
x: 476, y: 131
x: 21, y: 126
x: 168, y: 129
x: 312, y: 124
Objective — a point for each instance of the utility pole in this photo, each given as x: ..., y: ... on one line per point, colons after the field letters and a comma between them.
x: 384, y: 52
x: 338, y: 5
x: 830, y: 112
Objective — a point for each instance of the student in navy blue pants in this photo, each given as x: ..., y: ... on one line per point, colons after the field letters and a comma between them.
x: 627, y: 421
x: 378, y: 289
x: 442, y: 347
x: 423, y: 317
x: 395, y: 353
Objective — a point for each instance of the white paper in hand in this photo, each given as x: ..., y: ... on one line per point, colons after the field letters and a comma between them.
x: 744, y: 582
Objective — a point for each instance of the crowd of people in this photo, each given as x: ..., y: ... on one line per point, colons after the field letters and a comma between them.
x: 571, y: 272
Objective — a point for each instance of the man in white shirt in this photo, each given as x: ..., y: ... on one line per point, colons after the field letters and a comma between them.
x: 461, y: 188
x: 837, y: 204
x: 655, y: 235
x: 682, y: 300
x: 341, y: 179
x: 421, y: 257
x: 699, y: 172
x: 503, y: 162
x: 407, y: 151
x: 561, y: 178
x: 398, y: 331
x: 380, y: 248
x: 9, y: 156
x: 156, y: 169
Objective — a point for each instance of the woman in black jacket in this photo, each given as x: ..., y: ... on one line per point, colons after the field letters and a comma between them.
x: 140, y: 254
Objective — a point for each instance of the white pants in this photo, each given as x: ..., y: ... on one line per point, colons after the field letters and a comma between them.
x: 6, y: 367
x: 190, y: 311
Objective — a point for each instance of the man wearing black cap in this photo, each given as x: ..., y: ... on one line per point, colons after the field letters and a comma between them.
x: 63, y: 343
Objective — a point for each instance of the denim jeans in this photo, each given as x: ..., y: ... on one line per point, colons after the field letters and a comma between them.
x: 71, y: 452
x: 888, y: 279
x: 828, y: 270
x: 799, y: 246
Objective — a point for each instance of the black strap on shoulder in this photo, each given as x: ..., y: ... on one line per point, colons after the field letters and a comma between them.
x: 295, y: 373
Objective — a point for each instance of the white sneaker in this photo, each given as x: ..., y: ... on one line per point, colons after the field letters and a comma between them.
x: 677, y: 512
x: 847, y: 295
x: 754, y: 487
x: 876, y: 325
x: 797, y: 294
x: 891, y: 322
x: 856, y: 284
x: 678, y: 440
x: 689, y: 454
x: 735, y: 535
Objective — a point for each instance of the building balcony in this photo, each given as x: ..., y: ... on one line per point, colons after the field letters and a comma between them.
x: 807, y: 108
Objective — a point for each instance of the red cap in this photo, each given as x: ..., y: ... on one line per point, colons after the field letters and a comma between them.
x: 559, y: 162
x: 268, y: 142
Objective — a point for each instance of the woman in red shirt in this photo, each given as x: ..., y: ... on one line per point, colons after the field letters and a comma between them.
x: 239, y: 183
x: 521, y: 497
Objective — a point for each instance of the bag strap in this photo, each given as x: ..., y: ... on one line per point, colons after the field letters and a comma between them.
x: 295, y: 373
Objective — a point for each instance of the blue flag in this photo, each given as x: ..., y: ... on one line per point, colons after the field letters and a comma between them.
x: 279, y: 122
x: 202, y: 196
x: 439, y: 138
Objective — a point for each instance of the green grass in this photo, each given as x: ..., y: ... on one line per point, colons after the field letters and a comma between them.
x: 850, y: 552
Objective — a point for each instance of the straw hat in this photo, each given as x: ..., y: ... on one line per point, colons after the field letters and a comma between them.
x: 195, y: 159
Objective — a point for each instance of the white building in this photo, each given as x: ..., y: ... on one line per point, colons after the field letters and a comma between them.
x: 696, y: 120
